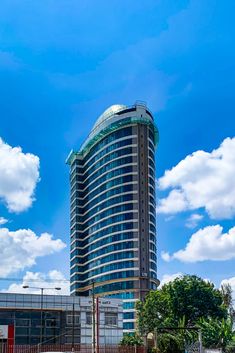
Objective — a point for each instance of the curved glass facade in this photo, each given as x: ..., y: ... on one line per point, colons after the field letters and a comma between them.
x: 113, y: 222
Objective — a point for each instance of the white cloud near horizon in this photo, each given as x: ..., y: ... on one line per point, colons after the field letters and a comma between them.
x: 230, y: 281
x: 52, y: 279
x: 19, y: 249
x: 202, y: 180
x: 193, y: 220
x: 207, y: 244
x: 169, y: 278
x: 19, y: 174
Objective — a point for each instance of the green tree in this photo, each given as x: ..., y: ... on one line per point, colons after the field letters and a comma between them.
x: 216, y: 333
x: 188, y: 297
x: 170, y: 343
x: 131, y: 340
x: 151, y: 312
x: 193, y: 298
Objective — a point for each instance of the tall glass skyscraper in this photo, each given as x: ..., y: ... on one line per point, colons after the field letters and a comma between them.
x: 113, y: 216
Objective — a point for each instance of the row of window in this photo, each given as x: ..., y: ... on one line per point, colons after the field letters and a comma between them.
x: 108, y: 258
x: 124, y: 295
x: 105, y: 204
x: 105, y: 214
x: 110, y: 287
x: 105, y: 241
x: 103, y: 165
x: 127, y: 131
x: 118, y: 190
x: 111, y: 220
x: 108, y: 277
x: 108, y: 183
x: 110, y: 319
x: 78, y: 164
x: 107, y: 231
x: 122, y: 132
x: 110, y: 148
x: 108, y: 249
x: 103, y: 269
x: 123, y: 149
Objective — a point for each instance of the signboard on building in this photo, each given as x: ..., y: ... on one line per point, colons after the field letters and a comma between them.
x: 4, y: 332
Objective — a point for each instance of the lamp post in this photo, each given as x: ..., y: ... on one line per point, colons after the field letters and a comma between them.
x: 41, y: 308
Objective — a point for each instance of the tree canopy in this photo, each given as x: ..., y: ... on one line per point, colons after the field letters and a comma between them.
x: 188, y: 301
x: 188, y: 297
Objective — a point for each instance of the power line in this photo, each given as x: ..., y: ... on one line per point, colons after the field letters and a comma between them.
x: 8, y: 279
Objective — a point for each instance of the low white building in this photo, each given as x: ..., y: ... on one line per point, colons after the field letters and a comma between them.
x: 59, y: 319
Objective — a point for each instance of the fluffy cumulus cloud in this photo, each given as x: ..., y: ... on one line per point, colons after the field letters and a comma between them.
x: 19, y: 174
x: 202, y: 180
x: 53, y: 279
x: 19, y: 249
x: 169, y: 278
x: 209, y: 243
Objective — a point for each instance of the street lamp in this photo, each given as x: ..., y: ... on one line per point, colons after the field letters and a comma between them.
x: 41, y: 306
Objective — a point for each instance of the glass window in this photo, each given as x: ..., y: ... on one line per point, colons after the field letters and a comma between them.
x: 103, y: 269
x: 22, y: 331
x: 107, y: 139
x: 88, y: 318
x: 128, y: 326
x: 111, y: 319
x: 35, y: 331
x: 128, y: 316
x: 22, y: 322
x: 70, y: 318
x: 129, y: 305
x: 108, y: 249
x: 105, y: 259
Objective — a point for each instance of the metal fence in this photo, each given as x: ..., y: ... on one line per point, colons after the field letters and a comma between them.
x: 5, y: 348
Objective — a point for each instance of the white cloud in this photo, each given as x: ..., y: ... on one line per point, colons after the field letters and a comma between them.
x: 230, y: 281
x: 202, y: 180
x: 165, y: 256
x: 20, y: 249
x: 3, y: 221
x: 169, y: 278
x: 174, y: 203
x: 19, y: 174
x: 52, y: 280
x: 209, y: 243
x: 193, y: 220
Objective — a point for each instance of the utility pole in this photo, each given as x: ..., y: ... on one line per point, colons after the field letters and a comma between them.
x: 97, y: 325
x: 41, y: 311
x: 73, y: 330
x: 93, y: 319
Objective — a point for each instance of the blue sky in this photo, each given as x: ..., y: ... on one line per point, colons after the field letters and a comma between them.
x: 63, y: 62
